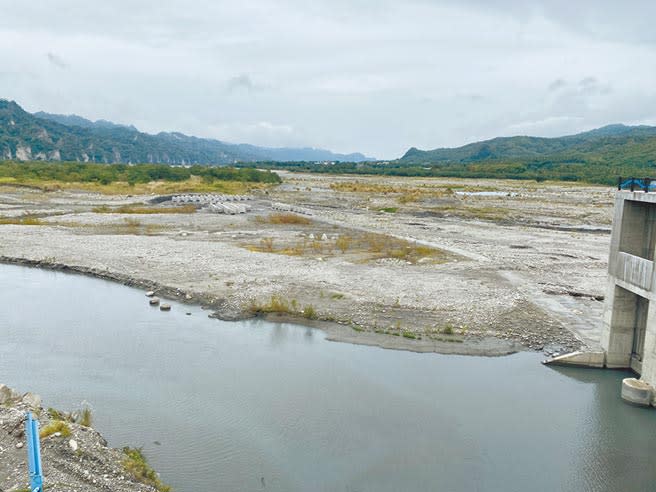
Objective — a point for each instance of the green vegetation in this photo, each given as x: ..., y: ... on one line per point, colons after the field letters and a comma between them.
x: 25, y: 219
x: 309, y: 312
x: 55, y: 426
x: 86, y: 417
x: 62, y: 173
x: 57, y: 415
x: 448, y: 329
x: 280, y: 305
x: 410, y: 335
x: 275, y: 305
x: 283, y: 218
x: 72, y: 138
x: 135, y: 463
x: 361, y: 247
x: 599, y: 156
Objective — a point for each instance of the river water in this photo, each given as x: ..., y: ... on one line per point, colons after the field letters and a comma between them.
x: 251, y: 406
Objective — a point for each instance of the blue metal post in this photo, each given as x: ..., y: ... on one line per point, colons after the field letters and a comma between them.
x: 33, y: 453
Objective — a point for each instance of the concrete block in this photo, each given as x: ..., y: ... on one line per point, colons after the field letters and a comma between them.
x: 637, y: 392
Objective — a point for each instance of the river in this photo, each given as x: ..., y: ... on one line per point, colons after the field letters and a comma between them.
x: 253, y: 405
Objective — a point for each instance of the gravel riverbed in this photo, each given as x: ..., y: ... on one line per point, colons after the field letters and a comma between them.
x: 520, y: 269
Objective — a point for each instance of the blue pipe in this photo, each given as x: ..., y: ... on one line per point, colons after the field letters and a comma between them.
x: 33, y: 453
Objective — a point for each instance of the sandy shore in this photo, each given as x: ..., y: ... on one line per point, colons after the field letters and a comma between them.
x: 518, y: 267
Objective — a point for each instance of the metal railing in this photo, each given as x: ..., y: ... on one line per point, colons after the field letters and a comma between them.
x: 637, y: 184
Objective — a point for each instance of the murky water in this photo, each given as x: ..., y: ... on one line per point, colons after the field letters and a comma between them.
x: 256, y: 406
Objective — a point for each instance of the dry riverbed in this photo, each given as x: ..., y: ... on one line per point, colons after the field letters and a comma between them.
x: 482, y: 267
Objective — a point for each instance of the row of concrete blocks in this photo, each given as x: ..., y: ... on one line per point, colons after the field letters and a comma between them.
x: 228, y: 208
x: 210, y: 198
x: 284, y: 207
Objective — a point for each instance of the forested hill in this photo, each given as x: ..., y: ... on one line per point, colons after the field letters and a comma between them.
x: 44, y: 136
x: 596, y: 156
x: 602, y: 141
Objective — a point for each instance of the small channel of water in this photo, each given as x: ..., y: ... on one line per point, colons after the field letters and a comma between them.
x: 254, y: 406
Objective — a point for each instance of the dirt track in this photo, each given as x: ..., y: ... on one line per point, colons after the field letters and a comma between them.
x: 449, y: 269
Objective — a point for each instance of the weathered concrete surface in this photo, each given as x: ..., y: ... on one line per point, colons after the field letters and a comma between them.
x: 629, y: 320
x: 583, y: 359
x: 637, y: 392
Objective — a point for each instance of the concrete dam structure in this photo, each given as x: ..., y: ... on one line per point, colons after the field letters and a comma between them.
x: 628, y: 335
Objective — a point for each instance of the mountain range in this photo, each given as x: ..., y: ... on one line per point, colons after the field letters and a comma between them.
x: 55, y: 137
x: 598, y: 155
x: 608, y: 142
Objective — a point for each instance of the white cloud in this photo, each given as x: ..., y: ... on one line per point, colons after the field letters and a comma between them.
x: 374, y: 76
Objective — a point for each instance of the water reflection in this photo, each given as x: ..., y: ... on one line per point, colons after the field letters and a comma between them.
x: 615, y: 444
x: 238, y: 405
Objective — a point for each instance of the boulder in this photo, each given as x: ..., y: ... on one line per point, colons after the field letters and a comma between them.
x: 32, y: 400
x: 7, y: 394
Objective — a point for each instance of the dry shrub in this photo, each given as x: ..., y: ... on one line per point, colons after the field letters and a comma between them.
x: 267, y: 244
x: 343, y: 243
x: 287, y: 218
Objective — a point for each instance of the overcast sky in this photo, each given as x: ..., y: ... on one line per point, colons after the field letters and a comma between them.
x: 374, y: 76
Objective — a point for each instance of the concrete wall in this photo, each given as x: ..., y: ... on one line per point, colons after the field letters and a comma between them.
x: 637, y: 229
x: 619, y: 337
x: 648, y: 373
x: 630, y: 296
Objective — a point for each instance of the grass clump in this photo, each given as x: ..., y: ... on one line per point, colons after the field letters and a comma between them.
x: 343, y: 243
x: 410, y: 335
x: 267, y: 244
x: 275, y: 305
x: 25, y: 219
x: 55, y: 414
x: 309, y: 312
x: 284, y: 218
x: 389, y: 210
x: 86, y: 417
x: 135, y: 463
x: 361, y: 187
x: 55, y: 426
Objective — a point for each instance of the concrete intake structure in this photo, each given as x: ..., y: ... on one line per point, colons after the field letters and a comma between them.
x: 628, y: 335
